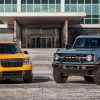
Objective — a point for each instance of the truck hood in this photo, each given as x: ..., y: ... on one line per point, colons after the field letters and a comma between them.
x: 12, y: 56
x: 76, y: 51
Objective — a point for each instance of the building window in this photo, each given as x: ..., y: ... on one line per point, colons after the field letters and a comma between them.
x: 66, y: 1
x: 29, y: 8
x: 44, y: 1
x: 7, y: 1
x: 88, y: 1
x: 1, y: 1
x: 8, y: 5
x: 73, y: 1
x: 80, y: 8
x: 37, y: 1
x: 95, y: 1
x: 1, y: 8
x: 95, y: 9
x: 73, y: 8
x: 80, y: 1
x: 41, y: 5
x: 51, y: 1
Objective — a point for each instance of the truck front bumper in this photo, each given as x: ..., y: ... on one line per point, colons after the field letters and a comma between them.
x: 15, y: 74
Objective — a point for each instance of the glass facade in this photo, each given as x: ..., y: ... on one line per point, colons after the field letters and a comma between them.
x: 41, y: 5
x: 8, y: 5
x: 91, y: 7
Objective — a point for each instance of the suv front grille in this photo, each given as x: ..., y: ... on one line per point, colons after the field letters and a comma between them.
x: 11, y: 62
x: 73, y: 58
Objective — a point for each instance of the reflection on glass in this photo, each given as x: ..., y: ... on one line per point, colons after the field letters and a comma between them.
x: 73, y: 8
x: 29, y: 8
x: 80, y: 8
x: 14, y: 8
x: 7, y: 8
x: 36, y: 8
x: 44, y: 8
x: 51, y: 8
x: 1, y: 8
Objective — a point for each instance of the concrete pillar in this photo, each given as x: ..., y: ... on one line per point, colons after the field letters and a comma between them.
x: 62, y: 6
x: 18, y: 5
x: 65, y: 34
x: 17, y: 33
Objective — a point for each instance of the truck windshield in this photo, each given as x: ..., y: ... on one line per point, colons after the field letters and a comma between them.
x: 87, y: 43
x: 9, y: 49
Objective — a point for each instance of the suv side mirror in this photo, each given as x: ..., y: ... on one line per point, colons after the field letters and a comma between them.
x: 68, y: 46
x: 25, y: 52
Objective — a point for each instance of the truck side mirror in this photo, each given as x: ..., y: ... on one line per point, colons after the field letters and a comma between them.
x: 25, y: 52
x: 68, y: 46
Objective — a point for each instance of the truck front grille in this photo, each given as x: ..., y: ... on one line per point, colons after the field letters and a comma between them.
x: 11, y: 62
x: 12, y: 73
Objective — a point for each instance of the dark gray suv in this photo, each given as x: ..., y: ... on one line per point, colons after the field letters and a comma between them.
x: 83, y: 59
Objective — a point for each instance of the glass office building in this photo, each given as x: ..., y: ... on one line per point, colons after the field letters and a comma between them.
x: 48, y: 23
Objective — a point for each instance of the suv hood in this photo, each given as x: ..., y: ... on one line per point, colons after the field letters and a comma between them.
x: 76, y: 51
x: 12, y: 56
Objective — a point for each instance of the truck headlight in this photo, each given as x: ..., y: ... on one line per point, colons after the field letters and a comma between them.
x: 56, y: 57
x: 26, y: 61
x: 89, y: 58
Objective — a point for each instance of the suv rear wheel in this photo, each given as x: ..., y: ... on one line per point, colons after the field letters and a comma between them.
x: 59, y: 77
x: 89, y: 78
x: 97, y: 76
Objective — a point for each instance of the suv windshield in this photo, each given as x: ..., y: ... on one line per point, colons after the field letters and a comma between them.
x: 9, y: 49
x: 87, y: 43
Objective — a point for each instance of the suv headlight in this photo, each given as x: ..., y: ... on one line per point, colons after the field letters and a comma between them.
x: 27, y: 61
x: 89, y: 58
x: 56, y: 57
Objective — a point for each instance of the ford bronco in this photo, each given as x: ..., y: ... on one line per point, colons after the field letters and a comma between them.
x: 83, y: 59
x: 14, y: 63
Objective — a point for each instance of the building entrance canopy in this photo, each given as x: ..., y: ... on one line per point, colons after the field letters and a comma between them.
x: 41, y: 18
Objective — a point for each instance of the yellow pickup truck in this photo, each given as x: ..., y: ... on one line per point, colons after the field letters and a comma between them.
x: 14, y: 63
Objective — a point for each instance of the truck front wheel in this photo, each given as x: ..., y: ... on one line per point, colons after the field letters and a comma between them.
x: 59, y: 77
x: 28, y: 80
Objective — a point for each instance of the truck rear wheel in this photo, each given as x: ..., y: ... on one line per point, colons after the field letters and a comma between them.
x: 97, y: 76
x: 59, y: 77
x: 89, y: 78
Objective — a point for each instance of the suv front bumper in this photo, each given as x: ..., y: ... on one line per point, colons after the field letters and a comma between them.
x: 75, y: 69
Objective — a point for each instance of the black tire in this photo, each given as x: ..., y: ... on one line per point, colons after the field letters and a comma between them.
x: 89, y: 78
x: 7, y: 80
x: 97, y: 76
x: 28, y: 80
x: 58, y: 77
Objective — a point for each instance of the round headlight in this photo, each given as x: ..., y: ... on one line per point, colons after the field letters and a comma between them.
x: 56, y: 57
x: 89, y: 58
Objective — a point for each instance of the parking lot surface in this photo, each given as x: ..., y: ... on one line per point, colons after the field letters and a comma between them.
x: 44, y: 87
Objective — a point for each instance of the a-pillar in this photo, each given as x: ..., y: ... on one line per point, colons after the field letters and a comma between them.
x: 65, y: 34
x: 17, y: 33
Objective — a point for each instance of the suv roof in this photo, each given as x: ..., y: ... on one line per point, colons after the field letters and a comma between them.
x: 89, y: 36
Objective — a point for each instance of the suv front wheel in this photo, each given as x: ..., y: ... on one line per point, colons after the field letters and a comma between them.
x: 59, y: 77
x: 97, y: 76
